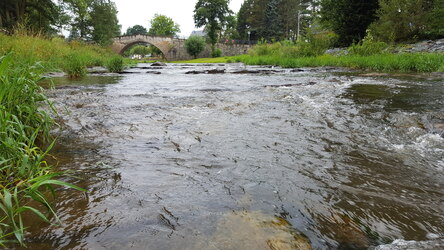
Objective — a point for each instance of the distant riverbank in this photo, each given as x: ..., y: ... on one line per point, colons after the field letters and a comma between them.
x: 427, y: 56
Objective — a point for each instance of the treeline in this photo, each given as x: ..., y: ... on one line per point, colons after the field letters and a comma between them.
x: 94, y: 20
x: 388, y: 20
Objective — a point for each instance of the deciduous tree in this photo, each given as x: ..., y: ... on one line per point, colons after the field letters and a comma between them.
x: 162, y: 25
x: 136, y: 30
x: 104, y: 22
x: 400, y: 20
x: 212, y: 14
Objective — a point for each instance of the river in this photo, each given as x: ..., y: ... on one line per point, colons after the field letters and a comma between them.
x: 247, y: 157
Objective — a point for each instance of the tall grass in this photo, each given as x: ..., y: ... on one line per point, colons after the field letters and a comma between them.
x: 25, y: 176
x: 55, y: 54
x: 408, y: 62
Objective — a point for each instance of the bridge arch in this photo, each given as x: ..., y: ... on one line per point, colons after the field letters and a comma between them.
x: 129, y: 45
x: 174, y: 48
x: 164, y: 44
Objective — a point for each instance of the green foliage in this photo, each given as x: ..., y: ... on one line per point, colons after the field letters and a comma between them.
x: 36, y: 15
x: 348, y: 18
x: 104, y: 22
x: 404, y: 20
x: 211, y: 14
x: 434, y: 23
x: 216, y: 53
x: 275, y: 19
x: 25, y: 176
x: 194, y: 45
x: 314, y: 45
x: 74, y: 66
x: 418, y: 62
x: 136, y: 30
x: 140, y: 50
x: 55, y: 54
x: 368, y: 46
x: 115, y: 64
x: 162, y: 25
x: 81, y: 20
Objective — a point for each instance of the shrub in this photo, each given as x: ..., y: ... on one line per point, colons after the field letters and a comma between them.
x: 115, y: 64
x: 194, y: 45
x: 216, y: 53
x: 368, y: 46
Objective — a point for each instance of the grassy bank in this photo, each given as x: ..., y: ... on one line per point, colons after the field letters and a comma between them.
x: 26, y: 180
x: 419, y: 62
x: 57, y: 55
x: 368, y: 55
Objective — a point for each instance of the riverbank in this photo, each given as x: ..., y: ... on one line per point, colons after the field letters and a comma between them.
x: 406, y: 63
x: 424, y: 57
x: 418, y: 62
x: 57, y: 55
x: 26, y: 178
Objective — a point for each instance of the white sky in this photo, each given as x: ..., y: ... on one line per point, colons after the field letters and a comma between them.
x: 132, y: 12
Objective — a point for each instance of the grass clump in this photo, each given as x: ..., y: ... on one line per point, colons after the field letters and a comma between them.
x: 74, y: 66
x: 26, y: 178
x: 115, y: 64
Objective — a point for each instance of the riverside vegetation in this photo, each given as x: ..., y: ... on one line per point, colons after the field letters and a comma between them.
x: 369, y: 54
x: 57, y: 55
x: 27, y: 180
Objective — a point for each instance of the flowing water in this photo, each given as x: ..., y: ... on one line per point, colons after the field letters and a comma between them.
x: 249, y: 158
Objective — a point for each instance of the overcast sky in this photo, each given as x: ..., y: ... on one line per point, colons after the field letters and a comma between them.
x: 132, y: 12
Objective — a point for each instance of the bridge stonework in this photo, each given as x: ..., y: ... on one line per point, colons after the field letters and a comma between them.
x: 174, y: 48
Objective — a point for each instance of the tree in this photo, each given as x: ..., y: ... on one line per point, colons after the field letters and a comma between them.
x: 435, y: 26
x: 211, y: 14
x: 348, y: 18
x: 36, y: 15
x: 140, y: 50
x: 242, y: 20
x: 194, y: 45
x: 162, y: 25
x: 229, y: 30
x: 104, y: 22
x: 136, y: 30
x: 272, y: 21
x: 256, y: 19
x: 403, y: 20
x: 81, y: 20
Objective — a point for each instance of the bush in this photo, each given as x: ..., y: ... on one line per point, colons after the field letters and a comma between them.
x: 74, y: 66
x: 315, y: 45
x: 368, y: 46
x: 194, y: 45
x: 216, y: 53
x: 115, y: 64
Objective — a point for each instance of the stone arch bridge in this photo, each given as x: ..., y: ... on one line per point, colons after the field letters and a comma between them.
x: 174, y: 48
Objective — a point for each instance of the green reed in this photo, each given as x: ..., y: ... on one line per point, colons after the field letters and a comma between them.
x: 26, y: 179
